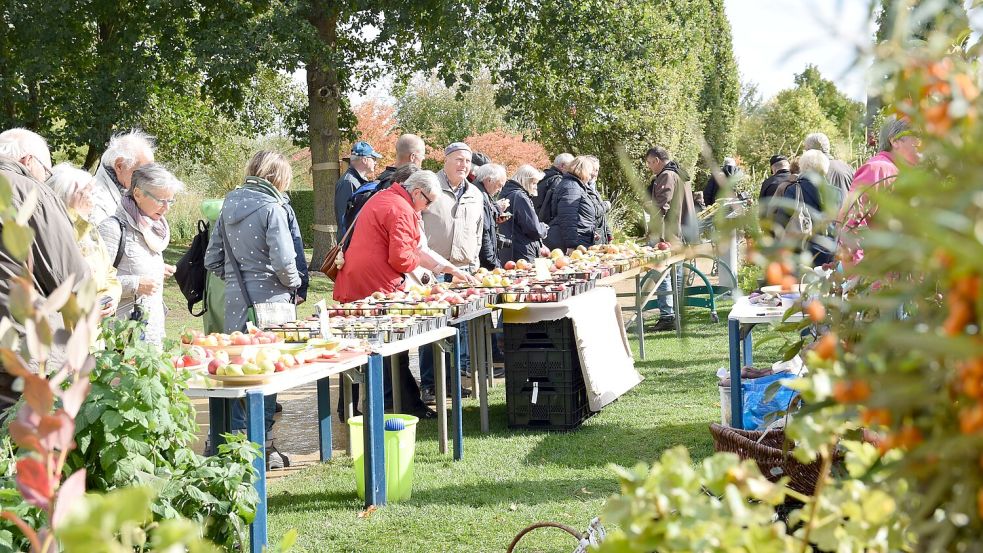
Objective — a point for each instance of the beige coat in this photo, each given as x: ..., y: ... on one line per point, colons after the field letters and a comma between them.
x: 453, y: 227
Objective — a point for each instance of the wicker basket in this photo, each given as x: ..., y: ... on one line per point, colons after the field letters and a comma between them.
x: 772, y: 454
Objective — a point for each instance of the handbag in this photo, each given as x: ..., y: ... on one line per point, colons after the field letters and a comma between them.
x: 329, y: 267
x: 262, y: 315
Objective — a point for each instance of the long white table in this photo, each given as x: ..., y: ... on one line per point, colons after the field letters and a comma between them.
x: 221, y: 398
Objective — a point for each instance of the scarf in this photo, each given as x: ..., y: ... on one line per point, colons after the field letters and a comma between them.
x: 157, y: 234
x: 258, y: 184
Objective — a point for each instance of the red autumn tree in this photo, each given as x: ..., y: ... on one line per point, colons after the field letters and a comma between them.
x: 504, y: 148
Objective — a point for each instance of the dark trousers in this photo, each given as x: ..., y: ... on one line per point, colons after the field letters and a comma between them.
x: 409, y: 391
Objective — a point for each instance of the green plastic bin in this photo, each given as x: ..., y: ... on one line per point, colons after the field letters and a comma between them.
x: 400, y: 446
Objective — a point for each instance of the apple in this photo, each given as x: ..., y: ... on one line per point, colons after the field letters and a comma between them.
x: 267, y: 366
x: 237, y: 370
x: 251, y: 368
x: 215, y: 364
x: 279, y: 367
x: 662, y: 245
x: 189, y: 361
x: 288, y: 360
x: 188, y: 336
x: 509, y: 265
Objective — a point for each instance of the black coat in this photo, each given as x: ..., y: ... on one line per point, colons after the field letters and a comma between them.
x: 524, y: 228
x: 771, y: 184
x: 488, y: 253
x: 551, y: 176
x: 578, y: 218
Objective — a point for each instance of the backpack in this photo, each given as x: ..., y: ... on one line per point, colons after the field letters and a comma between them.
x: 358, y: 200
x: 191, y: 274
x: 122, y: 240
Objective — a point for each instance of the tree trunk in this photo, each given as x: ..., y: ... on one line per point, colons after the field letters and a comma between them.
x: 323, y: 93
x: 91, y: 157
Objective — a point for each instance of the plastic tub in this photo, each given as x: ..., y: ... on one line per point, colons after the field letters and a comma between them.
x: 400, y: 446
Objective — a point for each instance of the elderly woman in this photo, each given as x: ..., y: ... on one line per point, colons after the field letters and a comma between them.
x: 141, y: 230
x: 253, y: 250
x: 524, y: 229
x: 75, y: 189
x: 489, y: 178
x: 809, y: 195
x: 251, y: 245
x: 576, y: 211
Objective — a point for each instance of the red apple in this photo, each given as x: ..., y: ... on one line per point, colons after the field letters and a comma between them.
x: 279, y: 367
x: 509, y: 265
x: 663, y: 245
x: 189, y: 361
x: 241, y: 340
x: 214, y: 365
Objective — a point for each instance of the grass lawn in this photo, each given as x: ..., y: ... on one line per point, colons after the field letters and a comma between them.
x: 509, y: 478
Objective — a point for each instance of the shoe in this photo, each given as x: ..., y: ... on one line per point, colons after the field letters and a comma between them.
x: 499, y: 373
x: 278, y: 408
x: 274, y: 459
x: 428, y: 395
x: 465, y: 392
x: 665, y: 324
x: 425, y: 414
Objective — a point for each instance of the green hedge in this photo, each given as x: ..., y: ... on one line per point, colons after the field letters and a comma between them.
x: 303, y: 204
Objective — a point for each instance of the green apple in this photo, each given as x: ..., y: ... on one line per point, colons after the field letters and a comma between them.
x: 267, y: 366
x: 235, y: 370
x: 251, y: 368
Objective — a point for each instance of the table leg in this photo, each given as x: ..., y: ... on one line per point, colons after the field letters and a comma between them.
x: 256, y: 429
x: 484, y: 367
x: 394, y: 379
x: 218, y: 422
x: 324, y: 417
x: 456, y: 400
x: 746, y: 348
x: 677, y: 296
x: 736, y: 401
x: 489, y: 328
x: 475, y: 357
x: 440, y: 390
x: 373, y: 433
x: 346, y: 391
x: 639, y: 321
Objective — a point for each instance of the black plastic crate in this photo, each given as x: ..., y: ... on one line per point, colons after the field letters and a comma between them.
x: 547, y: 367
x: 555, y: 335
x: 553, y: 409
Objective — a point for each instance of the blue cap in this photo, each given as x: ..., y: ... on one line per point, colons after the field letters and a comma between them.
x: 364, y: 149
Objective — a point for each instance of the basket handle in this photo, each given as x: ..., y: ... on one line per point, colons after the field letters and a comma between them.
x: 515, y: 541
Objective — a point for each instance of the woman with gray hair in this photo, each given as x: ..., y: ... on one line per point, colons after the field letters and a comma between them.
x: 523, y: 230
x: 489, y: 179
x: 137, y: 234
x: 809, y: 195
x: 75, y: 188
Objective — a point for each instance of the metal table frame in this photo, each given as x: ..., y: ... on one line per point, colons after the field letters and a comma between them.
x: 741, y: 321
x: 220, y: 401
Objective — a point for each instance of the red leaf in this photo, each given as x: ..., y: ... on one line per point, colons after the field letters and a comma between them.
x: 13, y: 363
x: 38, y: 394
x: 33, y: 482
x: 24, y: 436
x: 56, y: 431
x: 70, y: 491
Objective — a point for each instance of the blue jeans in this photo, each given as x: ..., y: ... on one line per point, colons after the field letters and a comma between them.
x: 426, y: 359
x: 664, y: 303
x: 239, y: 414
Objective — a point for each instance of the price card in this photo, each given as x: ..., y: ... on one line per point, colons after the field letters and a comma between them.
x: 543, y: 268
x: 321, y: 308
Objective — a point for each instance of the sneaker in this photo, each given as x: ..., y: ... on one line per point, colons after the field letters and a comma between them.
x: 465, y: 392
x: 428, y: 395
x: 665, y: 324
x: 274, y: 459
x: 425, y: 414
x: 499, y: 372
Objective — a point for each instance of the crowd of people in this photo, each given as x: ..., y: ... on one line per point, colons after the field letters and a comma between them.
x: 404, y: 225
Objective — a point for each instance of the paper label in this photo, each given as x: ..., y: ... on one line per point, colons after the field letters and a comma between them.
x: 535, y: 391
x: 321, y: 308
x: 543, y: 268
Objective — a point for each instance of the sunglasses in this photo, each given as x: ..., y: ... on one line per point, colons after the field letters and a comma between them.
x: 159, y: 201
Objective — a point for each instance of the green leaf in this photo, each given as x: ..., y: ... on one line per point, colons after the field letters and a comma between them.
x: 17, y: 241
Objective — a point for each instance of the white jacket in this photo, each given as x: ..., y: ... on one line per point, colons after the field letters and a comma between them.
x: 453, y: 226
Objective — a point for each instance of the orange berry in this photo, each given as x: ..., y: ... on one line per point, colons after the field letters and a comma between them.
x: 826, y: 346
x: 861, y: 391
x: 774, y: 273
x: 960, y: 315
x: 971, y: 419
x: 910, y: 436
x: 789, y: 282
x: 875, y: 416
x: 816, y: 311
x: 967, y: 287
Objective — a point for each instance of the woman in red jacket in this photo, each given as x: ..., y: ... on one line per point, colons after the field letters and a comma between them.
x: 385, y: 244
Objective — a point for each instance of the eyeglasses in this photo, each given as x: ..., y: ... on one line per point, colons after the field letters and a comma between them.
x: 159, y: 201
x: 47, y: 172
x: 425, y: 197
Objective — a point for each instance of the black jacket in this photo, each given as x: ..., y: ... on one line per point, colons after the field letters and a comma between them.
x: 524, y: 228
x: 771, y: 184
x: 386, y: 178
x: 488, y: 253
x: 821, y: 243
x: 578, y: 218
x: 550, y: 177
x: 347, y: 184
